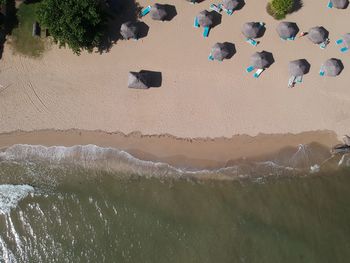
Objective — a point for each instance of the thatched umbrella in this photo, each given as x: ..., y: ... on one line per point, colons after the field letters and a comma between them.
x: 298, y: 67
x: 138, y: 80
x: 205, y: 18
x: 332, y: 67
x: 230, y: 4
x: 129, y: 30
x: 158, y: 12
x: 261, y: 60
x: 317, y: 35
x: 252, y: 29
x: 220, y: 51
x: 340, y: 4
x: 287, y: 29
x: 346, y: 39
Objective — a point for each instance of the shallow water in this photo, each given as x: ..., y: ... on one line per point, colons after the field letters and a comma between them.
x: 55, y: 210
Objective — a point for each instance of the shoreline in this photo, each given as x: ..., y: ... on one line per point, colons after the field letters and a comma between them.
x: 190, y: 153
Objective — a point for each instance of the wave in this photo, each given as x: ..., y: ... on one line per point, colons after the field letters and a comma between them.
x: 10, y: 195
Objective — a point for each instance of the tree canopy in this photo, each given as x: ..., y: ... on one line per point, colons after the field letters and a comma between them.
x: 280, y: 8
x: 80, y: 24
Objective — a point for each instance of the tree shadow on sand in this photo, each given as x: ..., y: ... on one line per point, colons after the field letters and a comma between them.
x: 9, y: 22
x: 120, y: 12
x: 298, y: 4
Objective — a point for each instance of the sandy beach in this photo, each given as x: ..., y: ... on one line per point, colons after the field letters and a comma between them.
x: 197, y: 98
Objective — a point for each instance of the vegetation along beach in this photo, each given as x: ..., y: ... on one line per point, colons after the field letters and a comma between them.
x: 174, y: 130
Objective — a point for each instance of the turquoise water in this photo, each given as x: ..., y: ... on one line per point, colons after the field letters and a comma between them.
x: 56, y: 210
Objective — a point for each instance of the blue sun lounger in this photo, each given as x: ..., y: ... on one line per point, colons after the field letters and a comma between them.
x: 251, y: 41
x: 344, y: 49
x: 339, y: 41
x: 216, y: 8
x: 330, y: 4
x: 196, y: 24
x: 258, y: 73
x: 145, y: 11
x: 249, y: 69
x: 206, y: 31
x: 291, y: 38
x: 299, y: 79
x: 211, y: 57
x: 321, y: 73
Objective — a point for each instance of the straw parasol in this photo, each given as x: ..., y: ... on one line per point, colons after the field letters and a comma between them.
x: 298, y: 67
x: 317, y: 35
x: 252, y: 29
x: 332, y: 67
x: 287, y: 29
x: 129, y: 30
x: 346, y: 39
x: 138, y: 80
x: 230, y: 4
x: 220, y: 51
x: 205, y: 18
x: 340, y: 4
x: 158, y: 12
x: 261, y: 60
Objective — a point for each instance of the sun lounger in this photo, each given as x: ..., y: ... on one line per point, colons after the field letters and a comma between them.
x: 206, y: 31
x: 321, y: 73
x: 324, y: 44
x: 330, y: 4
x: 291, y: 38
x: 216, y: 8
x: 299, y: 79
x: 291, y: 82
x: 249, y: 69
x: 211, y: 57
x: 339, y: 41
x: 145, y: 11
x: 196, y: 24
x: 251, y: 41
x: 262, y: 24
x: 344, y: 49
x: 258, y: 73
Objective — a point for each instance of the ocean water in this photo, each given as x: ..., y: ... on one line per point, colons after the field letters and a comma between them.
x: 92, y: 204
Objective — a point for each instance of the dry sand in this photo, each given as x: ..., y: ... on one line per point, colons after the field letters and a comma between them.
x: 197, y: 98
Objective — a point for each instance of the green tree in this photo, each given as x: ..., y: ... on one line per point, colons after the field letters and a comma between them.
x: 280, y: 8
x: 80, y: 24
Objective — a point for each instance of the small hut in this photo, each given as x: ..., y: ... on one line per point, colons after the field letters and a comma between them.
x: 158, y: 12
x: 252, y: 29
x: 332, y: 67
x: 129, y: 30
x: 287, y: 30
x: 317, y: 35
x: 205, y: 19
x: 36, y: 30
x: 220, y: 51
x: 138, y: 80
x: 340, y: 4
x: 261, y: 60
x: 298, y: 67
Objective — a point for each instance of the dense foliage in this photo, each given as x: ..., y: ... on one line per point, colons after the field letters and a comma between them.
x: 80, y: 24
x: 280, y: 8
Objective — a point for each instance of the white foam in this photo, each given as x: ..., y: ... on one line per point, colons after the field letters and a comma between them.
x: 10, y: 195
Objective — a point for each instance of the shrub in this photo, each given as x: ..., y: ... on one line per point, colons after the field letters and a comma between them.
x: 279, y: 8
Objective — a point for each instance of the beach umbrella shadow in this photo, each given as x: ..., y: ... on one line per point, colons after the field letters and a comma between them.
x: 143, y: 29
x: 155, y: 78
x: 231, y: 48
x: 171, y: 12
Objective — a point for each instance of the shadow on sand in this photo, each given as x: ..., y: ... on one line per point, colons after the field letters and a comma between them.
x: 9, y: 22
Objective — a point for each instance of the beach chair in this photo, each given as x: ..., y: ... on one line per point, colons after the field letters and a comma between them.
x: 206, y: 31
x: 229, y: 12
x: 262, y: 24
x: 216, y: 8
x: 299, y: 79
x: 344, y: 49
x: 196, y: 24
x: 211, y: 57
x: 291, y: 38
x: 249, y: 69
x: 330, y: 4
x: 145, y: 11
x: 291, y: 82
x: 324, y: 44
x: 258, y: 73
x: 322, y: 73
x: 339, y: 41
x: 252, y: 41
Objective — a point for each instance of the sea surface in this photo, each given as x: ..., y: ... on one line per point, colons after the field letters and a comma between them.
x: 93, y: 204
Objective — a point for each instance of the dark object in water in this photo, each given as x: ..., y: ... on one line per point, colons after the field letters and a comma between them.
x: 36, y: 30
x: 340, y: 148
